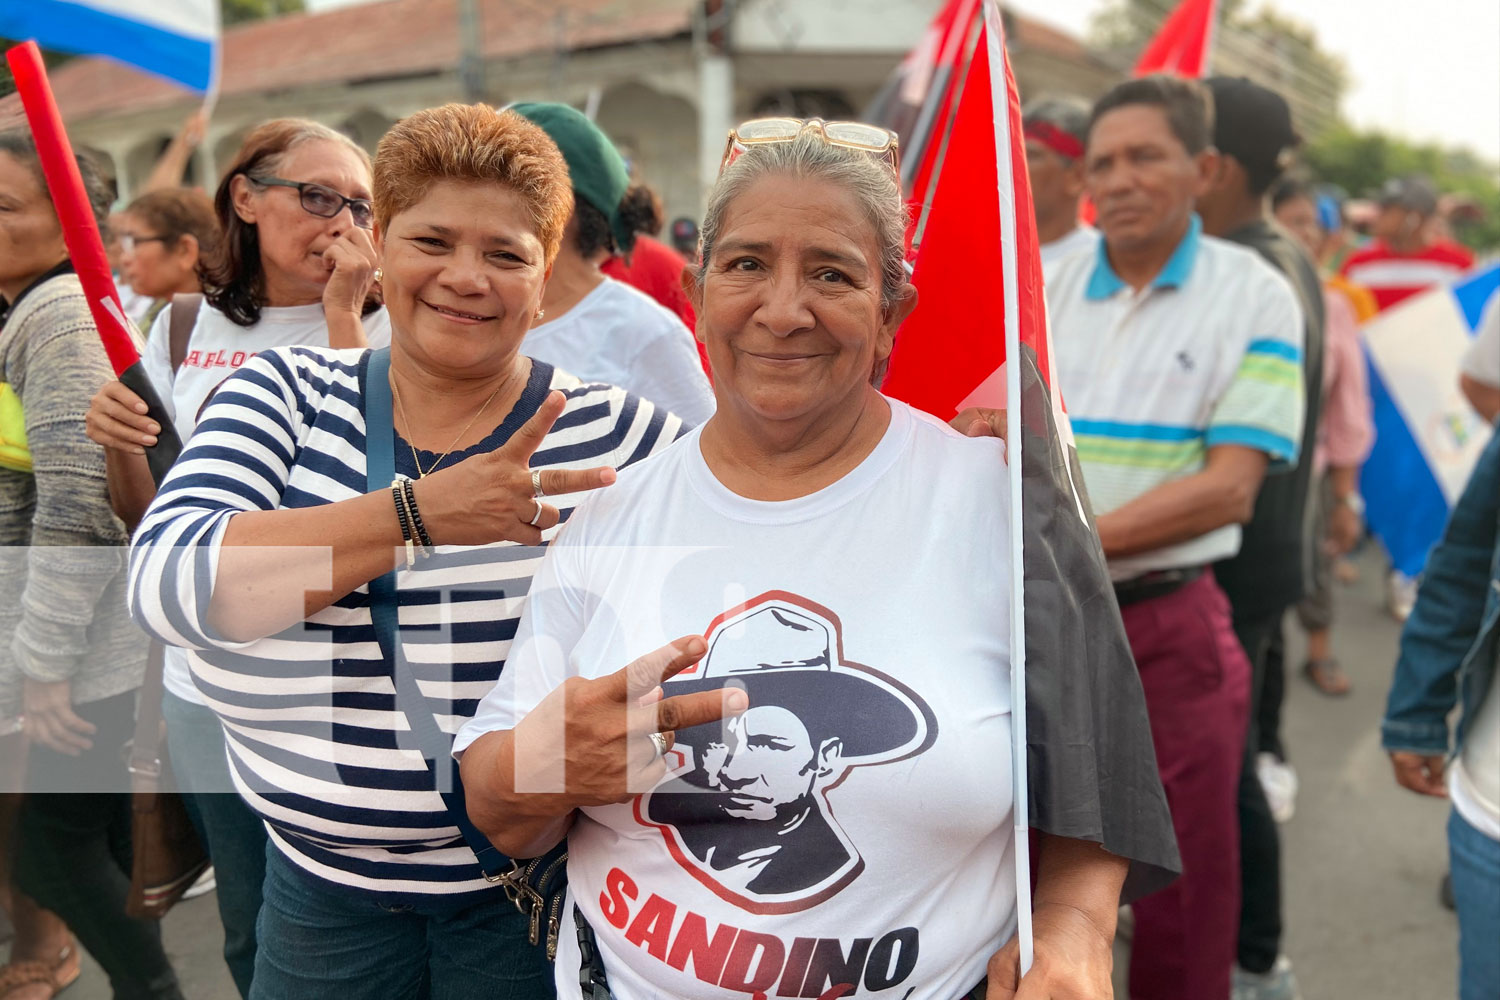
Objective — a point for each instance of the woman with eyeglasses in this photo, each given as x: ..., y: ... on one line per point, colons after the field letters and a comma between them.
x: 596, y: 327
x: 827, y: 570
x: 346, y: 545
x: 165, y: 238
x: 295, y: 268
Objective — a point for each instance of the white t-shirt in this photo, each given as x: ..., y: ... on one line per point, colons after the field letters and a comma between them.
x: 1482, y: 360
x: 1474, y: 778
x: 854, y: 825
x: 626, y: 338
x: 1081, y: 237
x: 216, y: 349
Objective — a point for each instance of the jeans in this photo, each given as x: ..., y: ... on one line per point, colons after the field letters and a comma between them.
x: 73, y: 854
x: 1196, y: 683
x: 1475, y: 861
x: 234, y: 836
x: 1259, y: 939
x: 319, y: 941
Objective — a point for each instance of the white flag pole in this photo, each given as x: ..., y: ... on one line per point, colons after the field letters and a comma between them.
x: 1000, y: 108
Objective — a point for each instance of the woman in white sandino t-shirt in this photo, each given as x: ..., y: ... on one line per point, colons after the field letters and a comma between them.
x: 809, y: 794
x: 294, y: 269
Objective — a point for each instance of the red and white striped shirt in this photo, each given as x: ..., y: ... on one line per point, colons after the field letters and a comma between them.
x: 1392, y: 276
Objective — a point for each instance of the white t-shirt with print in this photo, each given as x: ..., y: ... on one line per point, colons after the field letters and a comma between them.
x: 216, y: 349
x: 622, y: 336
x: 854, y: 825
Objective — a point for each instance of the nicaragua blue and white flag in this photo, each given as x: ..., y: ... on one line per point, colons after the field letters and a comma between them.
x: 177, y: 39
x: 1427, y: 437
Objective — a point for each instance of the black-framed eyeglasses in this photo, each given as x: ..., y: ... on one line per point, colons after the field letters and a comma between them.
x: 129, y: 242
x: 324, y: 202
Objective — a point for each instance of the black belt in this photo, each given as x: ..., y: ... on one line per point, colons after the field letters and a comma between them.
x: 1157, y: 583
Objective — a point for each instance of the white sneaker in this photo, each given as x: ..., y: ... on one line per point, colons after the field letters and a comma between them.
x: 1400, y: 594
x: 206, y: 884
x: 1279, y: 779
x: 1278, y: 984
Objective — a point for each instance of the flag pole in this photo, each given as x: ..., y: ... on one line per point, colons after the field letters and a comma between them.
x: 85, y: 247
x: 1009, y: 282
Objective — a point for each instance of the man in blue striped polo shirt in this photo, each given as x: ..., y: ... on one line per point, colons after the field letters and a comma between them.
x: 1179, y: 357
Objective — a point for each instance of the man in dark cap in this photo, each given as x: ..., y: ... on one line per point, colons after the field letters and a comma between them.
x: 1255, y: 138
x: 1404, y: 259
x: 1055, y: 129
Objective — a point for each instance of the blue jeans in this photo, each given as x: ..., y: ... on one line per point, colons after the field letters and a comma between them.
x: 234, y: 836
x: 1475, y: 860
x: 319, y: 941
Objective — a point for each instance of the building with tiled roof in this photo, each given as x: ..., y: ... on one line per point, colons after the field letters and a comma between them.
x: 665, y: 78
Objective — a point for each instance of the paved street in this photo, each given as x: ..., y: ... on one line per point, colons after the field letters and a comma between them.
x: 1363, y: 857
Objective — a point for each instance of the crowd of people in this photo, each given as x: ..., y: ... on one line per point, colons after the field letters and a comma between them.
x: 388, y: 667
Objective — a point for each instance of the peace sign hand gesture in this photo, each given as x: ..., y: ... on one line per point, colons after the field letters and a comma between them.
x: 591, y: 740
x: 490, y: 497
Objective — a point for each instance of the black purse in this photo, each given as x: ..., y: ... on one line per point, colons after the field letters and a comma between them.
x: 537, y: 886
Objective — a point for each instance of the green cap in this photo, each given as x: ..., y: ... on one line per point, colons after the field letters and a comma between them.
x: 599, y: 174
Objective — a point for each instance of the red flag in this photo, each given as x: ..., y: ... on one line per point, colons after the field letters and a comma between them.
x: 950, y: 354
x: 947, y: 40
x: 1184, y: 43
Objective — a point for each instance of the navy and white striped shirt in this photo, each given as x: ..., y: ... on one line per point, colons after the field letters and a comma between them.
x: 309, y: 714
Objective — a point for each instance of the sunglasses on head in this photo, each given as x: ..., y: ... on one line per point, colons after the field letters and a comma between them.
x: 872, y: 139
x: 324, y: 202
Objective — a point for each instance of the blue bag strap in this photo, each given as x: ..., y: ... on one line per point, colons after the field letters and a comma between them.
x: 436, y: 746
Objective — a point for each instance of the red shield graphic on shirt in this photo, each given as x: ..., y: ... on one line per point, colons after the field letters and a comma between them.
x: 747, y: 808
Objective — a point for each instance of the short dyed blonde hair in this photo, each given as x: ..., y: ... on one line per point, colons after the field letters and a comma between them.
x: 474, y: 142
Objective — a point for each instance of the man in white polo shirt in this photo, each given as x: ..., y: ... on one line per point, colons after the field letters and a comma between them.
x: 1178, y: 355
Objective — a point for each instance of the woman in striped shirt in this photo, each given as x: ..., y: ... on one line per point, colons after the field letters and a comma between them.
x: 259, y: 552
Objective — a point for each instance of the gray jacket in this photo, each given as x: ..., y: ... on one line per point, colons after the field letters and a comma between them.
x: 62, y: 555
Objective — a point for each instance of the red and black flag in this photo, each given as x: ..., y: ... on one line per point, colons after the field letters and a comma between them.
x: 979, y: 338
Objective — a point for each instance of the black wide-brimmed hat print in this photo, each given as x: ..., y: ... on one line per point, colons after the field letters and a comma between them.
x: 781, y: 651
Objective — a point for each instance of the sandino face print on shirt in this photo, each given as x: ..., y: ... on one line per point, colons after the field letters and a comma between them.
x: 746, y: 808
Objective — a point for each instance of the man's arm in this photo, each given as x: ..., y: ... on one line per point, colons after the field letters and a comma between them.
x: 1480, y: 377
x: 1184, y: 509
x: 1484, y: 398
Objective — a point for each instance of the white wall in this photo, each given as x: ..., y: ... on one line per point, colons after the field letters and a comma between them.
x: 830, y: 25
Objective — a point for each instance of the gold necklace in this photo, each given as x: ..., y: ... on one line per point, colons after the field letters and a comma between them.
x: 396, y: 391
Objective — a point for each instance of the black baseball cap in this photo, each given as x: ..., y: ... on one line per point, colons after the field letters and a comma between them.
x: 1252, y: 123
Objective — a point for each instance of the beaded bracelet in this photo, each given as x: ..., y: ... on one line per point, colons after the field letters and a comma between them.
x: 423, y: 538
x: 404, y: 516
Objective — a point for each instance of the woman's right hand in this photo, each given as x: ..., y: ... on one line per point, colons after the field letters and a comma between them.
x: 591, y: 739
x: 117, y: 419
x: 489, y: 498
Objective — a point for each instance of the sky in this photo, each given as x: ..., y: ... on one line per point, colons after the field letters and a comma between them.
x: 1427, y: 70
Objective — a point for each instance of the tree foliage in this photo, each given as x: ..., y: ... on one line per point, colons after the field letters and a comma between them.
x: 239, y: 11
x: 1359, y: 161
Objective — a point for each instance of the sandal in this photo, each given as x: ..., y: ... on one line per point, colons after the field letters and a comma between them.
x: 58, y: 974
x: 1327, y: 676
x: 67, y: 967
x: 17, y: 976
